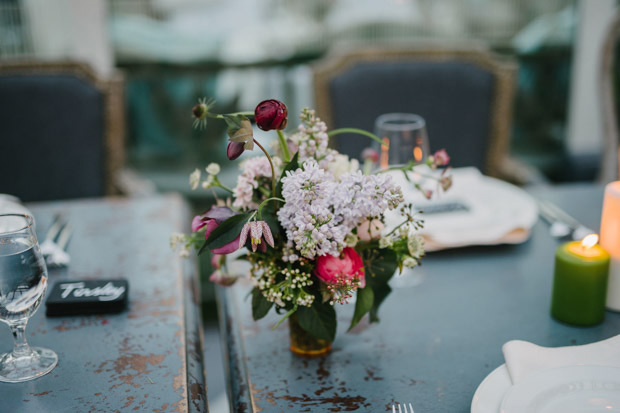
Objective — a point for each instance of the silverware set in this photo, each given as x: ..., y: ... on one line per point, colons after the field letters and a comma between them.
x: 54, y: 247
x: 403, y: 410
x: 561, y: 224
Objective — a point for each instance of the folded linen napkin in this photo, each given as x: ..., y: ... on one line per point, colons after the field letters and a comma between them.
x: 524, y: 358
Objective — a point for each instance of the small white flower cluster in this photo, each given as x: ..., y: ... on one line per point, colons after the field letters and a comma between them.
x: 312, y: 139
x: 247, y: 182
x: 320, y: 212
x: 178, y: 239
x: 291, y: 289
x: 194, y: 178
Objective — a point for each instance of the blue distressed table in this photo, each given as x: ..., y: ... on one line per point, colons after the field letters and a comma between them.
x: 436, y: 341
x: 147, y: 358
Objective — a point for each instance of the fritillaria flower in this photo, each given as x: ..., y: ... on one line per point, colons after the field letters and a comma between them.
x: 257, y: 230
x: 440, y: 158
x: 271, y: 114
x: 370, y: 154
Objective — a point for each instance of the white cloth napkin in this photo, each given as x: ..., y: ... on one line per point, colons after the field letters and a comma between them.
x: 498, y: 213
x: 524, y: 358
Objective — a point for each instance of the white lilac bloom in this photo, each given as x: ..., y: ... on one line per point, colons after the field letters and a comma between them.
x: 247, y: 182
x: 307, y: 216
x: 312, y: 140
x: 320, y: 212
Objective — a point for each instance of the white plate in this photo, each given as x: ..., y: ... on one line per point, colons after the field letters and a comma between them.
x: 489, y: 394
x: 574, y: 389
x: 499, y: 212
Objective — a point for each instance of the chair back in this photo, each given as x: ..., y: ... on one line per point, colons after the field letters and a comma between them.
x: 465, y: 96
x: 62, y: 131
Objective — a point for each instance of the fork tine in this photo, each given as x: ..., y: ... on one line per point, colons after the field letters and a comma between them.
x: 411, y: 408
x: 55, y: 227
x: 399, y: 411
x: 393, y: 408
x: 64, y: 236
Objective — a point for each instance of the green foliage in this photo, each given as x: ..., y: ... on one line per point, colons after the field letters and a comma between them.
x: 380, y: 265
x: 260, y: 305
x: 363, y: 304
x: 318, y: 320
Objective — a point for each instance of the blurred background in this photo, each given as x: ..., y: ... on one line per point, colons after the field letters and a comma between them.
x: 169, y: 53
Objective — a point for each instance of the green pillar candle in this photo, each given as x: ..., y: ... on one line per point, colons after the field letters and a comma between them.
x: 580, y: 282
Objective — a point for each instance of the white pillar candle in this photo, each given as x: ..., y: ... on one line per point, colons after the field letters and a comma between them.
x: 610, y: 241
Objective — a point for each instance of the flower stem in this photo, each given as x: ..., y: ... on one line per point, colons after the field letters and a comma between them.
x: 224, y: 187
x: 273, y: 171
x: 262, y: 204
x: 285, y: 153
x: 335, y: 132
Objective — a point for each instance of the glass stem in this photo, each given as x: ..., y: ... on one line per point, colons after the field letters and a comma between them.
x: 20, y: 345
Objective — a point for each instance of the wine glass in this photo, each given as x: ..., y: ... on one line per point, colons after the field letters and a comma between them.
x: 406, y: 136
x: 23, y: 281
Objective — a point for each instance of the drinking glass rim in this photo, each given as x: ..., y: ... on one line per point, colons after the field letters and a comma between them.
x: 410, y: 119
x: 29, y: 223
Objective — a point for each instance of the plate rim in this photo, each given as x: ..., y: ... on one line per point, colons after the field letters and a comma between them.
x: 487, y: 385
x: 563, y: 371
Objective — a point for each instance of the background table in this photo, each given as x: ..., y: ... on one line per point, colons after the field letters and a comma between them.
x: 148, y: 358
x: 436, y: 341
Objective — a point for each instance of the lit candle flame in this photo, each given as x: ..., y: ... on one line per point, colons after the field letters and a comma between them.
x: 384, y: 161
x: 417, y: 154
x: 589, y: 241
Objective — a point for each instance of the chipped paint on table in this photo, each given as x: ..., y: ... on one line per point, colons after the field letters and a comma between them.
x: 148, y: 357
x: 435, y: 343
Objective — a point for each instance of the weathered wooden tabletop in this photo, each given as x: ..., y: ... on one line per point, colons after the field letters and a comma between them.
x: 436, y: 341
x: 147, y: 358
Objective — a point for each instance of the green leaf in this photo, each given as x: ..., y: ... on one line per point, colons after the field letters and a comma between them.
x: 260, y: 305
x: 291, y: 166
x: 269, y: 216
x: 318, y: 320
x: 234, y: 121
x: 239, y: 128
x: 379, y: 271
x: 225, y: 232
x: 363, y: 304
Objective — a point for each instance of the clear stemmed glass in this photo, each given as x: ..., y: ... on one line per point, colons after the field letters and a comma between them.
x: 23, y: 281
x: 407, y: 138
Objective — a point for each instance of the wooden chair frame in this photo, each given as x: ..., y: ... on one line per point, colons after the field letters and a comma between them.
x: 503, y: 70
x: 112, y: 90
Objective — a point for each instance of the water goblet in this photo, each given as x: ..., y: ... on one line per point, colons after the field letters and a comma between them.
x: 406, y: 136
x: 23, y: 281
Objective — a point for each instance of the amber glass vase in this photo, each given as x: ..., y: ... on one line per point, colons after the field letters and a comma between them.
x: 303, y: 343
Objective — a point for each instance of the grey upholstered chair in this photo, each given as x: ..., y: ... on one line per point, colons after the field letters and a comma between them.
x: 61, y: 133
x: 465, y: 97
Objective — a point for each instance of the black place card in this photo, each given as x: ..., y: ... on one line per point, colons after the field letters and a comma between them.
x: 87, y: 297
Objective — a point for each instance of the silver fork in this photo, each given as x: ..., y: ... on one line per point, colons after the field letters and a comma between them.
x: 55, y: 243
x: 404, y: 410
x: 562, y: 224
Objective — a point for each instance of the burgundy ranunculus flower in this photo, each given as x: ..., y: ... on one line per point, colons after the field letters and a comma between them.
x: 271, y: 114
x: 212, y: 219
x: 234, y: 150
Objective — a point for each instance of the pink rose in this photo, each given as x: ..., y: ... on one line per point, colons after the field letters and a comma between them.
x: 333, y: 270
x: 212, y: 219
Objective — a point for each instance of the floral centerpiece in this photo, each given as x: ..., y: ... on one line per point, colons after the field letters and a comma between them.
x: 312, y: 220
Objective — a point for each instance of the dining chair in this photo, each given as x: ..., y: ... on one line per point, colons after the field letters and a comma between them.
x: 61, y: 130
x: 465, y: 96
x: 608, y: 90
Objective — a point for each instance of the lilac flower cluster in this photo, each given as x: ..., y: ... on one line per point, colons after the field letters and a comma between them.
x: 312, y: 139
x: 320, y: 211
x: 247, y: 182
